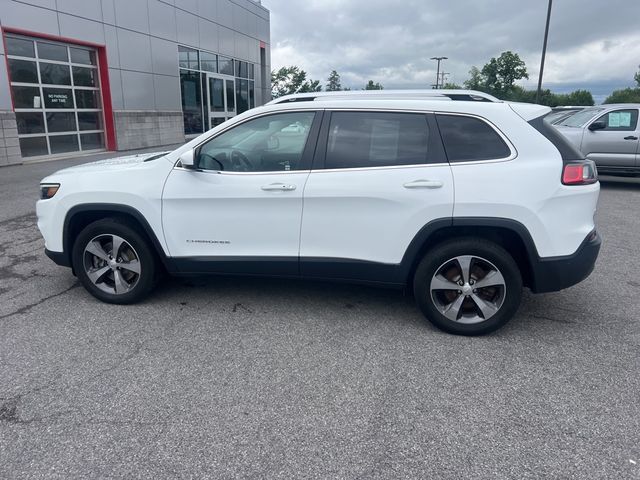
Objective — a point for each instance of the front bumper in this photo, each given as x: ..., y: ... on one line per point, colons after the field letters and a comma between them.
x: 557, y: 273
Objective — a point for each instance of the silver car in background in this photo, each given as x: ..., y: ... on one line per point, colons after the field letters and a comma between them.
x: 608, y: 135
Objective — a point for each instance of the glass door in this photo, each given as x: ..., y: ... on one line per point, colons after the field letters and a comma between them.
x: 221, y: 99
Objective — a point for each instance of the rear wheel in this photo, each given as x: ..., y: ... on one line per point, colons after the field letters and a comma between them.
x: 114, y: 262
x: 468, y: 286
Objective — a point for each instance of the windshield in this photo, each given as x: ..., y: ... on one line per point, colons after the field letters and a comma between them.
x: 580, y: 118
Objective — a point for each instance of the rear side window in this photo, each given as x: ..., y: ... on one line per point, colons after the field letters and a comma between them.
x: 469, y: 139
x: 365, y: 139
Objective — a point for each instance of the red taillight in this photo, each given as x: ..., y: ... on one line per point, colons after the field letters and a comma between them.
x: 580, y: 173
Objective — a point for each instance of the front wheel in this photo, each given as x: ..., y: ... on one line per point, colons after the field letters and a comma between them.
x: 468, y: 286
x: 114, y: 262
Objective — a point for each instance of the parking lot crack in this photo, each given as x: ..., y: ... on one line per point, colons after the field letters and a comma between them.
x: 27, y: 308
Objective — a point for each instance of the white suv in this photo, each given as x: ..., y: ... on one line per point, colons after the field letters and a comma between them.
x: 463, y: 202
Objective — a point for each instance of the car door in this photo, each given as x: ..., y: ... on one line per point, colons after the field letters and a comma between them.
x: 378, y: 178
x: 617, y: 144
x: 240, y: 210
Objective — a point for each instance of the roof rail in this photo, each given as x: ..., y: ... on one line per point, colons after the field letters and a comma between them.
x: 456, y: 95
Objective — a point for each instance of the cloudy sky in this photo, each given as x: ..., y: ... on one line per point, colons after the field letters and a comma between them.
x: 593, y: 44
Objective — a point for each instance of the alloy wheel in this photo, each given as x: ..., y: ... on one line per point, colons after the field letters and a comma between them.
x: 468, y: 289
x: 112, y: 264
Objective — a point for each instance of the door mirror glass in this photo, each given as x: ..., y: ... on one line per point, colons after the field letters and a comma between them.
x: 597, y: 125
x: 187, y: 160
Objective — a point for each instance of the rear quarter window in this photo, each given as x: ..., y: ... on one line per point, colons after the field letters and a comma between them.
x: 468, y: 139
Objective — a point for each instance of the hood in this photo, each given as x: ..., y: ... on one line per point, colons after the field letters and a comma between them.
x: 116, y: 163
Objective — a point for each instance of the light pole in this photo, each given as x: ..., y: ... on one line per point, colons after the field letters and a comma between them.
x: 438, y: 59
x: 544, y: 52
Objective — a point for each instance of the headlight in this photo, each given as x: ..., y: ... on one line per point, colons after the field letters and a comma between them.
x: 48, y: 190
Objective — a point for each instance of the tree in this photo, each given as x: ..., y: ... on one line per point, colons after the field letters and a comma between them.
x: 373, y: 86
x: 475, y: 81
x: 636, y: 77
x: 451, y: 86
x: 626, y: 95
x: 293, y: 79
x: 501, y: 73
x: 333, y: 82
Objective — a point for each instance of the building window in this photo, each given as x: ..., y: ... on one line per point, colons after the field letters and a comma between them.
x: 191, y: 90
x: 56, y: 96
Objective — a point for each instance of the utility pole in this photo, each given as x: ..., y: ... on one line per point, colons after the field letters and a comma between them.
x: 544, y: 52
x: 438, y: 59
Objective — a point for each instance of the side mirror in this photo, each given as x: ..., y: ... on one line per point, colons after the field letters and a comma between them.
x: 187, y: 160
x: 599, y: 125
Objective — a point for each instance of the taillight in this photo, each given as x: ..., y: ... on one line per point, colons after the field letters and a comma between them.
x: 580, y: 173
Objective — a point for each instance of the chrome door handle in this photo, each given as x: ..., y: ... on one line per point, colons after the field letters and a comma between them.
x: 278, y: 187
x: 424, y: 184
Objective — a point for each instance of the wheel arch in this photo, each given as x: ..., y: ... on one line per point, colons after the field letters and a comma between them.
x: 80, y: 216
x: 510, y: 234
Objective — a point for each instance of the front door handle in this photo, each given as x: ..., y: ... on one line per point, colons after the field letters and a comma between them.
x: 424, y: 184
x: 278, y: 187
x: 630, y: 137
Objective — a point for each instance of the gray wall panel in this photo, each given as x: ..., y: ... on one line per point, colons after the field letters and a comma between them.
x: 164, y: 56
x: 5, y: 96
x: 188, y: 5
x: 135, y: 51
x: 115, y: 84
x: 167, y: 92
x: 90, y: 9
x: 208, y: 35
x: 108, y: 11
x: 81, y: 29
x: 42, y: 3
x: 226, y: 38
x: 208, y: 9
x: 111, y: 43
x: 132, y: 14
x: 225, y: 12
x: 162, y: 20
x: 137, y: 89
x: 27, y: 17
x: 187, y: 28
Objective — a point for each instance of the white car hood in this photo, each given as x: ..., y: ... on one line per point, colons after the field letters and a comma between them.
x: 116, y: 163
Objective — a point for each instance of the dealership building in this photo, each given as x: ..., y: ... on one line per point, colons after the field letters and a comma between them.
x: 83, y: 76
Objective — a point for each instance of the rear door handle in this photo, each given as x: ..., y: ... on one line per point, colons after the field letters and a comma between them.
x: 279, y: 187
x: 424, y: 184
x: 630, y: 137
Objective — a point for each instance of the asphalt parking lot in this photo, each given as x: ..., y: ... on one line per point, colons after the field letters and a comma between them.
x: 237, y: 378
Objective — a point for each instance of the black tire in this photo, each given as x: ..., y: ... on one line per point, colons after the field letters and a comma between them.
x: 486, y: 255
x: 138, y: 250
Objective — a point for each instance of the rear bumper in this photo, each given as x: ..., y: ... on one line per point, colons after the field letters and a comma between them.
x: 558, y: 273
x: 58, y: 257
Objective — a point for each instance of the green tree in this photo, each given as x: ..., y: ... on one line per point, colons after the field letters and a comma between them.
x: 451, y: 86
x: 289, y: 80
x: 475, y: 81
x: 333, y: 82
x: 501, y: 73
x: 373, y: 86
x: 626, y: 95
x: 636, y: 77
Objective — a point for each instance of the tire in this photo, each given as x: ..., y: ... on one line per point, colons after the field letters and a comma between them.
x: 486, y: 300
x: 122, y: 279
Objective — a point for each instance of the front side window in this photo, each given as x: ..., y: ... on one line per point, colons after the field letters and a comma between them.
x: 267, y: 144
x: 468, y: 139
x: 365, y: 139
x: 620, y: 120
